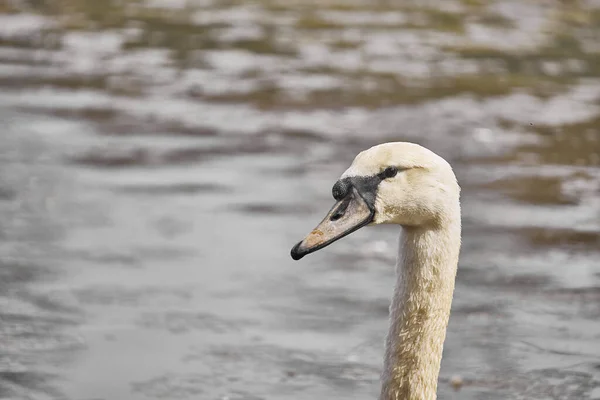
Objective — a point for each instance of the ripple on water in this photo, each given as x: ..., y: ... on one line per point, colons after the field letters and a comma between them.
x: 553, y: 383
x: 279, y: 370
x: 173, y: 189
x: 178, y: 322
x: 496, y: 279
x: 172, y: 386
x: 138, y: 153
x: 125, y: 296
x: 275, y: 209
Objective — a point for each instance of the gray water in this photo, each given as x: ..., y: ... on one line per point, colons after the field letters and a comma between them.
x: 157, y: 164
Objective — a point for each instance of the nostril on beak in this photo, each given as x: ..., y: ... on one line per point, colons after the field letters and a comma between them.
x: 337, y: 215
x: 340, y: 210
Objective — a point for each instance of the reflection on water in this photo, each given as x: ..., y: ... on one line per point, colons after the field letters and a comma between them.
x: 158, y: 160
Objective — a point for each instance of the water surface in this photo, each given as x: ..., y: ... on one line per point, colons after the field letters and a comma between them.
x: 159, y: 159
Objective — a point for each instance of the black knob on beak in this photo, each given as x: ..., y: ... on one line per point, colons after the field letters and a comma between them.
x: 341, y: 189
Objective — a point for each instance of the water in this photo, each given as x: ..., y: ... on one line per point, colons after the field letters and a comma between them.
x: 157, y: 165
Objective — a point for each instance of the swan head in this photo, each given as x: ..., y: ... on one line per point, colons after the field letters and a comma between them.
x: 392, y: 183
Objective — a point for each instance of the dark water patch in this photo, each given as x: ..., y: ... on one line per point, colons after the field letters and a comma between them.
x: 244, y: 395
x: 340, y: 373
x: 95, y: 114
x: 265, y: 45
x: 311, y: 20
x: 35, y: 59
x: 7, y: 194
x: 153, y: 126
x: 296, y: 135
x: 491, y: 19
x: 264, y: 366
x: 362, y: 260
x: 348, y: 302
x: 157, y: 26
x: 27, y: 384
x: 135, y: 157
x: 315, y: 320
x: 441, y: 20
x: 310, y: 321
x: 165, y: 252
x: 72, y: 82
x: 372, y: 91
x: 418, y: 17
x: 178, y: 322
x: 329, y: 310
x: 544, y: 384
x: 570, y: 144
x: 176, y: 32
x: 84, y: 15
x: 483, y: 309
x: 541, y: 349
x: 47, y: 303
x: 527, y: 238
x: 292, y: 171
x: 582, y: 302
x: 107, y: 258
x: 587, y: 294
x: 273, y: 209
x: 169, y: 227
x: 46, y: 39
x: 493, y: 278
x: 36, y: 322
x: 189, y: 155
x: 43, y: 345
x: 174, y: 188
x: 192, y: 155
x: 576, y: 144
x: 111, y: 121
x: 173, y: 386
x: 289, y: 366
x: 121, y: 124
x: 114, y: 158
x: 563, y: 54
x: 551, y: 383
x: 569, y: 238
x: 115, y: 295
x: 533, y: 190
x: 16, y: 273
x: 172, y: 127
x: 30, y: 340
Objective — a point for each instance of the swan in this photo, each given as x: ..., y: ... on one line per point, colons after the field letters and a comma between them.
x: 405, y: 184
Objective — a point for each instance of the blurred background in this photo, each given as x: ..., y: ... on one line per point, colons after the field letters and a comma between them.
x: 159, y: 158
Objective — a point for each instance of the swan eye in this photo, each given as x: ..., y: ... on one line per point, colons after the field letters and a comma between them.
x: 390, y: 172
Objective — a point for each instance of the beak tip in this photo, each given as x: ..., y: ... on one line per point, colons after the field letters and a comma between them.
x: 297, y: 253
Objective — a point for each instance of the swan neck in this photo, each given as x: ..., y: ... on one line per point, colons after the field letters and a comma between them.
x: 419, y: 313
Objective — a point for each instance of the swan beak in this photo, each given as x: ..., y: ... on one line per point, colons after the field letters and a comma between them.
x: 347, y: 215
